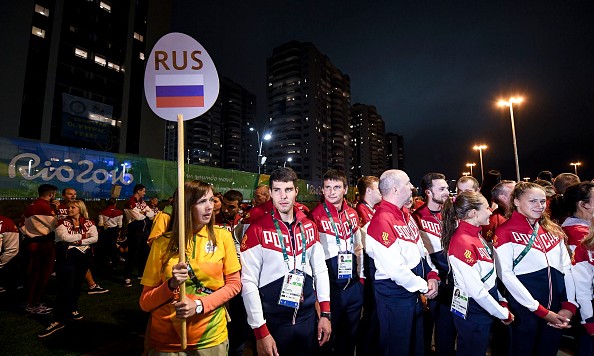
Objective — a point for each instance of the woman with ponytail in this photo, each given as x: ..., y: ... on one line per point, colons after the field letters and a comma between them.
x: 578, y: 201
x: 211, y: 273
x: 475, y: 298
x: 535, y: 267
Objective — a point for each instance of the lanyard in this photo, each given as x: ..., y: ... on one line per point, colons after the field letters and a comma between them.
x: 528, y: 246
x: 335, y: 228
x: 284, y: 248
x: 484, y: 279
x: 199, y: 286
x: 369, y: 206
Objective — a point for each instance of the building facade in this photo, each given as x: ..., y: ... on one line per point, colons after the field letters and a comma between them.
x: 368, y: 141
x: 77, y: 70
x: 308, y: 102
x: 395, y: 151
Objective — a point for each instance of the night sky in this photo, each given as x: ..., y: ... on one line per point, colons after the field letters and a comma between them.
x: 434, y: 70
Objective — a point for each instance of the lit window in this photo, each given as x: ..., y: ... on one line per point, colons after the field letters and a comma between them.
x: 72, y: 29
x: 105, y: 6
x: 138, y: 36
x: 41, y: 10
x: 38, y: 32
x: 101, y: 61
x: 80, y: 53
x: 141, y: 56
x: 113, y: 66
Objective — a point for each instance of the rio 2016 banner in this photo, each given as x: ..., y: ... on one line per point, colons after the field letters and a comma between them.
x: 25, y: 164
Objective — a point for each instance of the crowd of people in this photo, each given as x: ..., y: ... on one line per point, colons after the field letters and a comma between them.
x: 388, y: 273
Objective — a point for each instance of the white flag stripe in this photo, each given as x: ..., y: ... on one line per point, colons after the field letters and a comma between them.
x: 179, y: 79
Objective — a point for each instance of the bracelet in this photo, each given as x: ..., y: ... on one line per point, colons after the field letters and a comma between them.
x: 326, y: 315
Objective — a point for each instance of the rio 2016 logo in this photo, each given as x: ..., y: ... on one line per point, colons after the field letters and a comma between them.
x: 65, y: 173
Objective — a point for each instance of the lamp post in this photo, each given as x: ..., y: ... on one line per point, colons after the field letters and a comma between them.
x: 480, y: 148
x: 575, y: 165
x: 465, y: 174
x: 290, y: 159
x: 511, y: 103
x: 261, y: 159
x: 471, y: 165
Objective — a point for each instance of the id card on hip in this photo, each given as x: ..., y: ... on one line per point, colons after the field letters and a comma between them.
x: 345, y: 265
x: 459, y: 303
x: 292, y: 289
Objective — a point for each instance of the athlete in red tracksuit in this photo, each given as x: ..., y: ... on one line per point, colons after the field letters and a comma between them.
x: 278, y: 250
x: 338, y: 225
x: 401, y: 267
x: 583, y: 275
x: 536, y: 270
x: 471, y: 260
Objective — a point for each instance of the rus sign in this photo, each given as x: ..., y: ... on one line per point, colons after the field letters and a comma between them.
x: 180, y: 78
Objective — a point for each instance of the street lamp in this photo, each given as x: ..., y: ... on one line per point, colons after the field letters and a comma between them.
x: 575, y: 165
x: 290, y: 159
x: 510, y: 103
x: 527, y: 179
x: 261, y: 159
x: 471, y: 165
x: 465, y: 174
x: 481, y: 148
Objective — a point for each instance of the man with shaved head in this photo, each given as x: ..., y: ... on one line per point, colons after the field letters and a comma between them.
x: 401, y: 268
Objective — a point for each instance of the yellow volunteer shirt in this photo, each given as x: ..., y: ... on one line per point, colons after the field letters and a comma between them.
x: 210, y: 265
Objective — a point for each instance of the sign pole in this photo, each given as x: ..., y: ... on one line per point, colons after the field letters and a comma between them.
x: 181, y: 218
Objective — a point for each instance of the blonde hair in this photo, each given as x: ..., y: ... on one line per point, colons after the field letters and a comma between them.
x: 82, y: 208
x: 545, y: 220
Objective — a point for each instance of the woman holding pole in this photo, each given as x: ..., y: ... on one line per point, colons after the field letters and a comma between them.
x: 211, y: 276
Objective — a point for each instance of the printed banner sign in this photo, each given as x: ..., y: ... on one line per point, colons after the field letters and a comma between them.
x: 25, y: 164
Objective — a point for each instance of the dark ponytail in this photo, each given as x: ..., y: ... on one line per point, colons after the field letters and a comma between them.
x: 454, y: 211
x: 448, y: 224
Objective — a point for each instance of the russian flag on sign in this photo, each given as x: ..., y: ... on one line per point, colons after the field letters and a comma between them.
x: 179, y: 90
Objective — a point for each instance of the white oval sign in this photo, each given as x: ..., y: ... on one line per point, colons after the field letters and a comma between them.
x: 180, y: 78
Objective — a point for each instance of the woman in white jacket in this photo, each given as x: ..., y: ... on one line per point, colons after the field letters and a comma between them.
x: 74, y: 235
x: 475, y: 302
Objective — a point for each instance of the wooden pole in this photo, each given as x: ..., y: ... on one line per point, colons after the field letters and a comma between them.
x: 181, y: 215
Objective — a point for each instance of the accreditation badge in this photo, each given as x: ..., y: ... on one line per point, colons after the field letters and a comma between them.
x: 292, y: 289
x: 345, y: 265
x: 459, y: 303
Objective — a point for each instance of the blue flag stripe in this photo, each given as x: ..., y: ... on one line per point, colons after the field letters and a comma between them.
x: 181, y: 90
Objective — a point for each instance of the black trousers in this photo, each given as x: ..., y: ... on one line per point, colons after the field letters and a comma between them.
x: 71, y: 267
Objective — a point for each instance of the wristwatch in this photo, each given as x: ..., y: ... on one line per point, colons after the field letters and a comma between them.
x: 326, y: 315
x: 199, y: 307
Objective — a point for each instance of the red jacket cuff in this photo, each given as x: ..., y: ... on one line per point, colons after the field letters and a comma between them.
x: 541, y: 311
x: 433, y: 275
x: 503, y: 304
x: 589, y: 328
x: 261, y: 332
x: 325, y: 307
x: 509, y: 317
x: 569, y: 306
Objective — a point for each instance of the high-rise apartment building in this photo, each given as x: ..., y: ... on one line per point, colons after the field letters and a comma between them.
x: 368, y: 141
x: 308, y: 112
x: 76, y: 69
x: 395, y: 151
x: 221, y: 137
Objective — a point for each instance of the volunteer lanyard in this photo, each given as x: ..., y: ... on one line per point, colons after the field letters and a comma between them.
x: 335, y: 228
x: 199, y: 286
x: 284, y: 248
